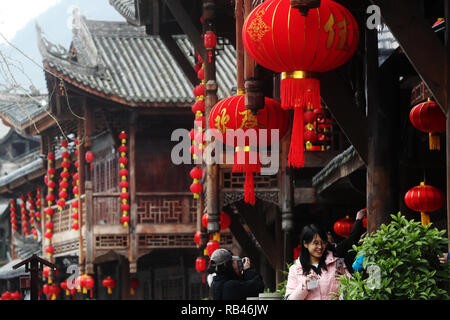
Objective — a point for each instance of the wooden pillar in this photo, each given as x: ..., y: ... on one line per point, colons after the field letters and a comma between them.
x: 133, y: 247
x: 212, y: 170
x: 88, y: 192
x: 381, y: 93
x: 447, y: 98
x: 239, y: 14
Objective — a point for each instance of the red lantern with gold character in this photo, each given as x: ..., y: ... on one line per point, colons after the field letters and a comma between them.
x: 428, y: 117
x: 424, y: 199
x: 344, y: 226
x: 281, y: 39
x: 231, y: 114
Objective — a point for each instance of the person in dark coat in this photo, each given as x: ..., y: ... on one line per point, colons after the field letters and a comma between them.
x: 234, y: 279
x: 342, y: 249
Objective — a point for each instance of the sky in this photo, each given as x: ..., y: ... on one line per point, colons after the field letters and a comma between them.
x: 14, y: 15
x: 17, y: 25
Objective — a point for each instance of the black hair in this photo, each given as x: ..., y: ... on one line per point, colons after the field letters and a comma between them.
x: 307, y: 236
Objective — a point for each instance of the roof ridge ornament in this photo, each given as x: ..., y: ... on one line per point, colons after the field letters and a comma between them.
x: 87, y: 53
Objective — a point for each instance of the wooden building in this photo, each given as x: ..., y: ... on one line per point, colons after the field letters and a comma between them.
x: 138, y: 77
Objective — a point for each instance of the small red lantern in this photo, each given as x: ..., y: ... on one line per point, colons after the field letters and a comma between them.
x: 212, y: 246
x: 424, y: 199
x: 343, y: 227
x: 54, y: 291
x: 6, y: 295
x: 64, y: 287
x: 16, y: 295
x: 210, y: 42
x: 109, y: 283
x: 196, y: 189
x: 88, y: 284
x: 428, y: 117
x: 199, y: 107
x: 197, y: 237
x: 134, y: 283
x: 89, y: 156
x: 225, y: 220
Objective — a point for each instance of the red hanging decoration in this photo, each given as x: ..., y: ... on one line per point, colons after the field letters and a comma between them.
x: 13, y: 214
x: 197, y: 237
x: 225, y: 220
x: 212, y: 246
x: 428, y: 117
x: 344, y: 226
x: 109, y: 283
x: 64, y: 287
x: 37, y: 215
x: 23, y: 211
x: 210, y: 42
x: 123, y: 172
x: 134, y: 284
x: 281, y: 39
x: 76, y: 183
x: 31, y: 208
x: 230, y: 113
x: 200, y: 266
x: 88, y: 284
x: 424, y: 199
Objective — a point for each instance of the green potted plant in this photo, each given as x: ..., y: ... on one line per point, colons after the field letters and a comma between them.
x: 400, y: 262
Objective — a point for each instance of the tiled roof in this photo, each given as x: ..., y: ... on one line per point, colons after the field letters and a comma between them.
x: 116, y: 60
x: 126, y: 8
x: 18, y: 110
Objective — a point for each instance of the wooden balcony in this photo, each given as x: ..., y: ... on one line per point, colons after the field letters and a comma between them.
x: 164, y: 220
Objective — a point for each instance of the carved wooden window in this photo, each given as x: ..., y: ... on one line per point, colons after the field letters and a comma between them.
x: 106, y: 171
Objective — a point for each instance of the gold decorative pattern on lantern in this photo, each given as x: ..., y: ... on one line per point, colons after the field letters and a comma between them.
x: 257, y: 28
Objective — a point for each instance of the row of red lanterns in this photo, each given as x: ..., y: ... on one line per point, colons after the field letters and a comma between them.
x: 123, y: 173
x: 76, y: 191
x: 429, y: 118
x: 11, y: 296
x: 48, y: 179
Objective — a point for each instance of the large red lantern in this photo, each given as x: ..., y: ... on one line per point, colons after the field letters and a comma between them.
x: 424, y: 199
x: 231, y: 114
x: 109, y: 283
x: 344, y: 226
x: 281, y: 39
x: 428, y: 117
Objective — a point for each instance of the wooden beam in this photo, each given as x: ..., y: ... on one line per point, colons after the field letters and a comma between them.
x: 340, y: 99
x: 414, y: 33
x: 180, y: 58
x: 447, y: 87
x: 185, y: 22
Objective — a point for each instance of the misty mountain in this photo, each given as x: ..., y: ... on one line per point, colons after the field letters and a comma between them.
x: 55, y: 24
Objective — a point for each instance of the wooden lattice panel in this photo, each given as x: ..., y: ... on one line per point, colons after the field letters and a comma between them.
x: 111, y: 241
x: 67, y: 246
x: 178, y: 240
x: 166, y: 209
x: 233, y: 180
x: 106, y: 210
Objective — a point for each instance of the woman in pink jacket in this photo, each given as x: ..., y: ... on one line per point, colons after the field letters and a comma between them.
x: 314, y: 274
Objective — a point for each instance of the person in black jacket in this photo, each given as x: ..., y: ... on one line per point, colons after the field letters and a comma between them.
x: 235, y: 279
x: 342, y: 248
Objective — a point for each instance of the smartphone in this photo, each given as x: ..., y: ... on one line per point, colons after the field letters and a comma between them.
x: 312, y: 284
x: 339, y: 266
